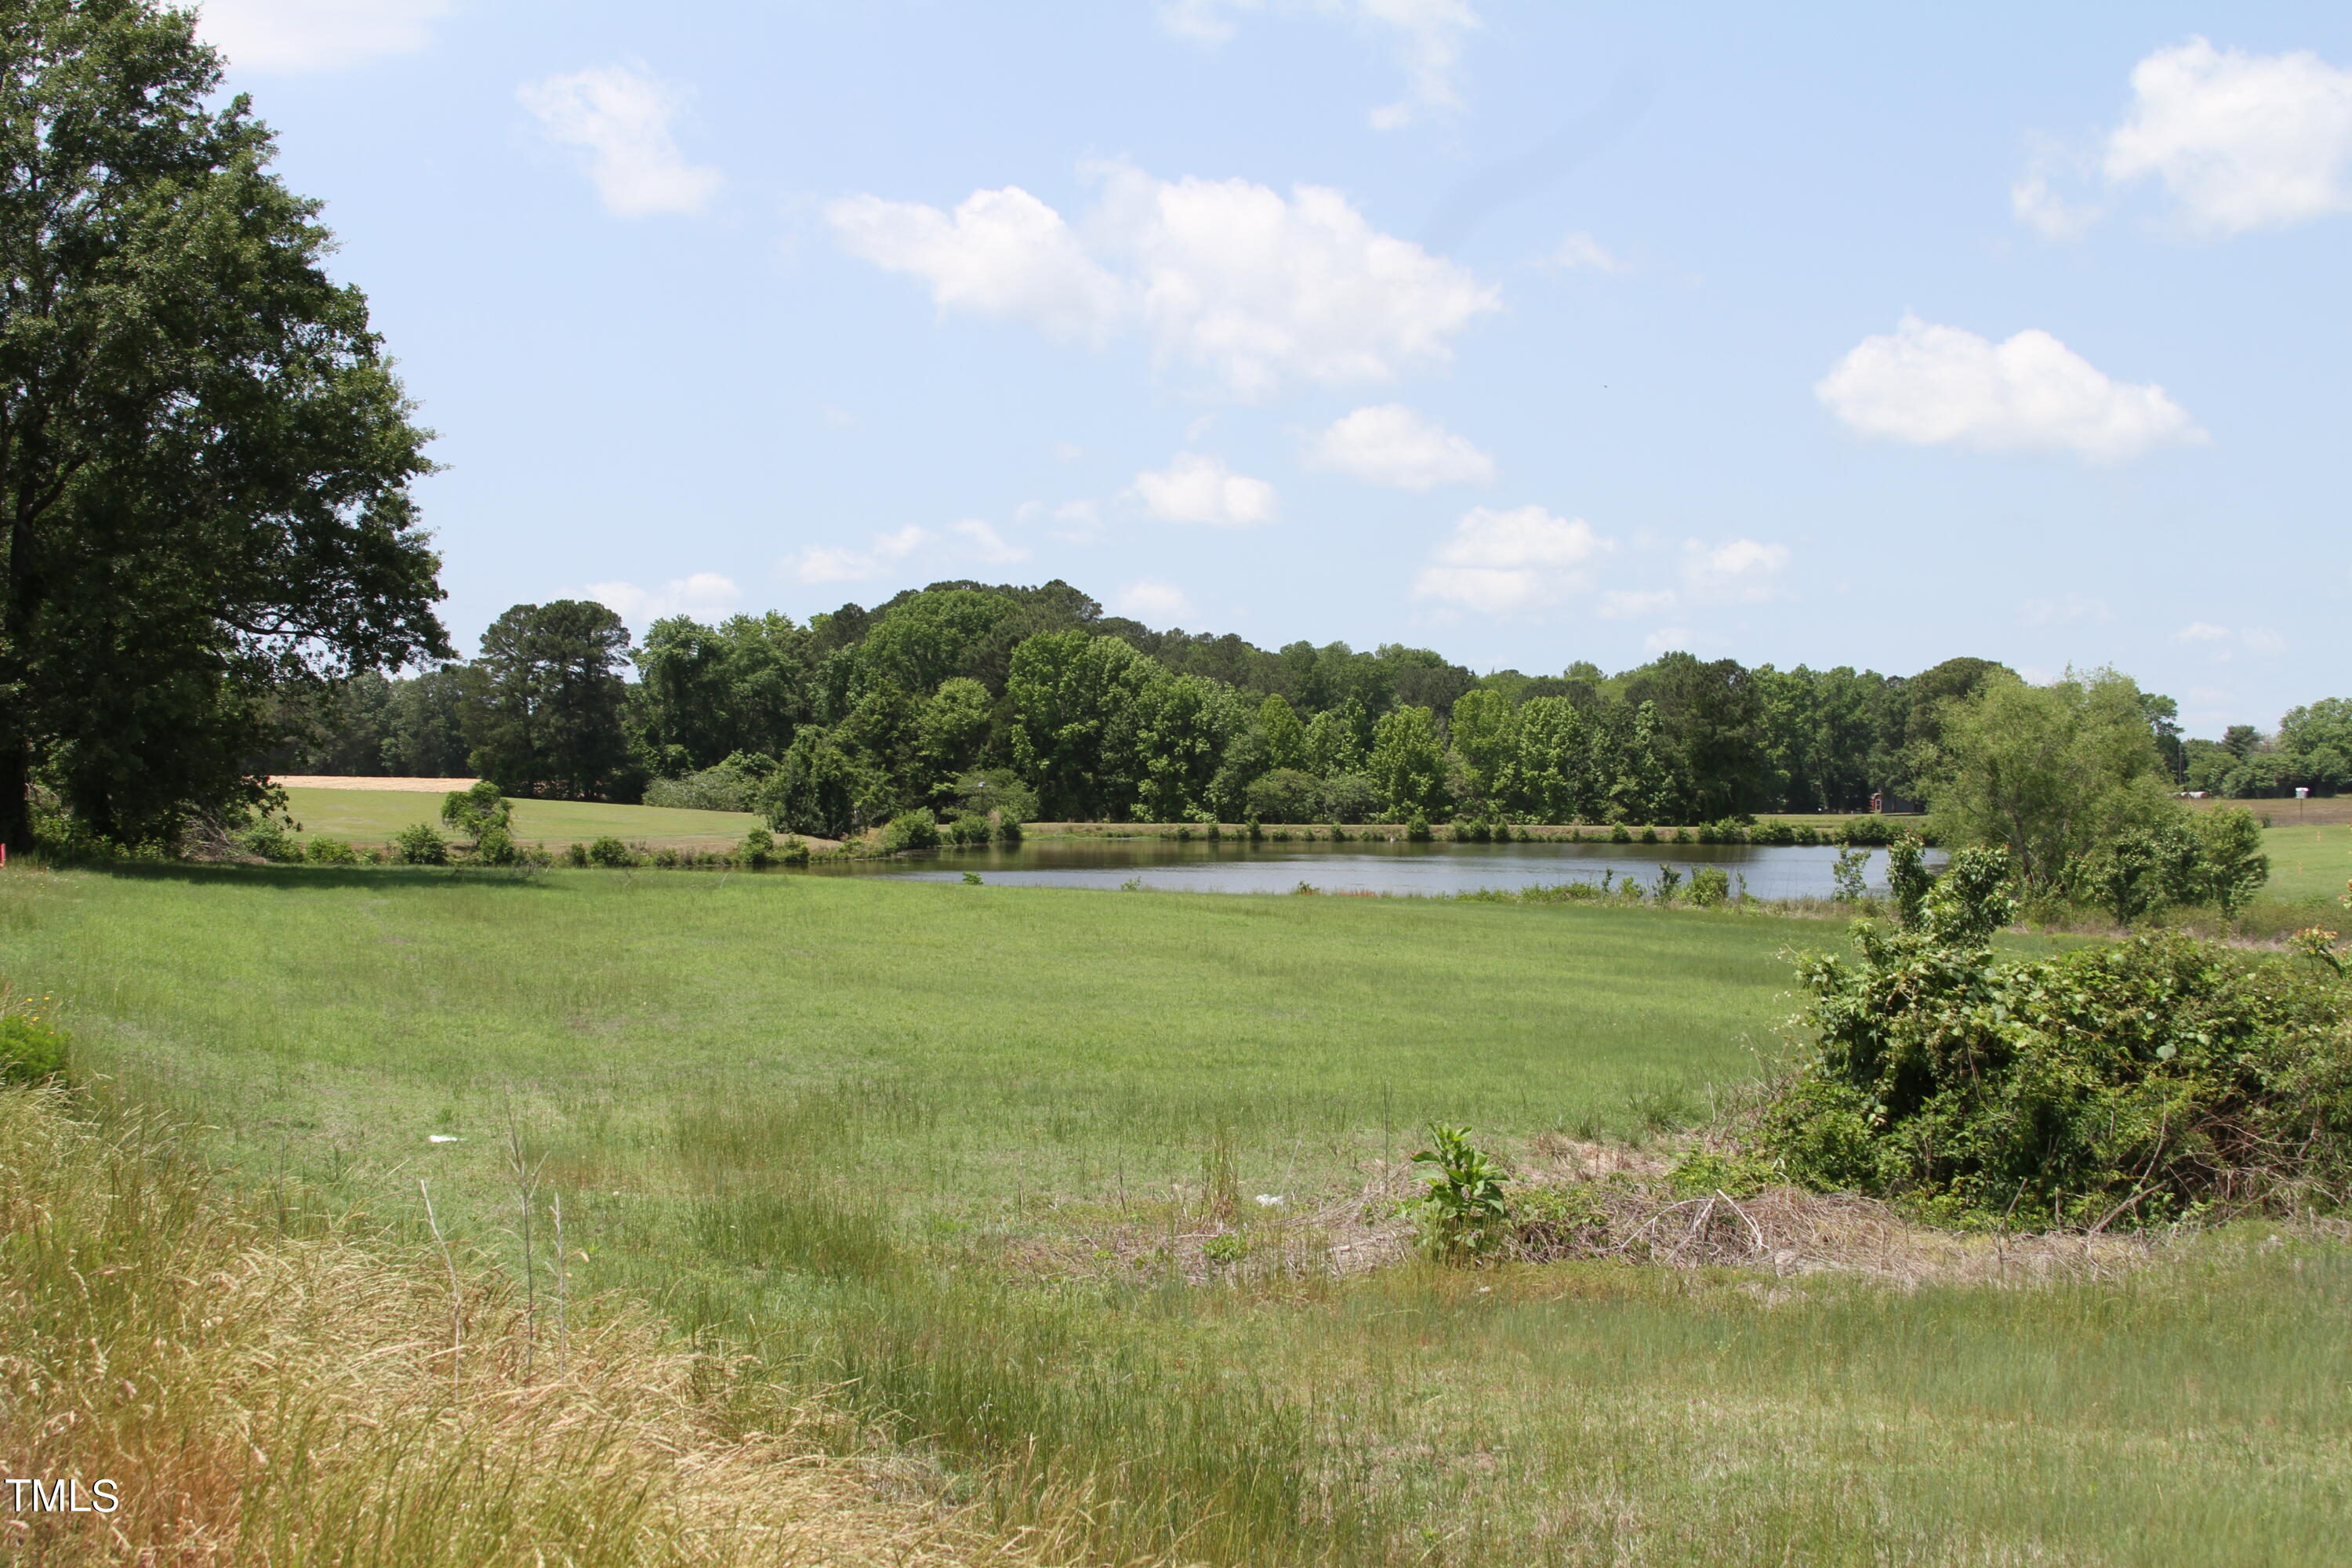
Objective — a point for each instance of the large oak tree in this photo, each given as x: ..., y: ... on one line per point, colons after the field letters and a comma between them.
x: 205, y: 461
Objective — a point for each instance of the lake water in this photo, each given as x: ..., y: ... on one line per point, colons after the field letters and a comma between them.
x: 1360, y: 867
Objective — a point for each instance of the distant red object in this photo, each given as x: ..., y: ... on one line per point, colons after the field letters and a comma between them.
x: 1877, y: 801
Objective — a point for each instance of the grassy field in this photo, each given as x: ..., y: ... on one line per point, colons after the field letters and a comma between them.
x: 373, y: 816
x: 2307, y: 861
x: 949, y: 1151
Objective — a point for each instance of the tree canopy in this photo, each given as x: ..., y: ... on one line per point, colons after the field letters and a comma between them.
x: 204, y: 458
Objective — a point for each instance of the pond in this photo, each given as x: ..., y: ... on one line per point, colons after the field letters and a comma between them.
x: 1360, y: 865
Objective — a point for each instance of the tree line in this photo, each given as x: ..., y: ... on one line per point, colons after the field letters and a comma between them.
x: 962, y: 695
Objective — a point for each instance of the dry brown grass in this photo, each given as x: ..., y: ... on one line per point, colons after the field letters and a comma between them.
x: 262, y: 1398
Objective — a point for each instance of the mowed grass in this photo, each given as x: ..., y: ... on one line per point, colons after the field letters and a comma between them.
x: 867, y: 1131
x: 373, y: 816
x: 2308, y: 860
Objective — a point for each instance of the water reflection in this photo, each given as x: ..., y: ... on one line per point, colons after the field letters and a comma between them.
x: 1365, y: 867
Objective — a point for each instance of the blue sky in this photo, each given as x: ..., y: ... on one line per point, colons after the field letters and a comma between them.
x: 1531, y: 333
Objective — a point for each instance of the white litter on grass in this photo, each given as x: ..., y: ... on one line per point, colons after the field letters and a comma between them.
x: 1269, y: 1200
x: 441, y: 1138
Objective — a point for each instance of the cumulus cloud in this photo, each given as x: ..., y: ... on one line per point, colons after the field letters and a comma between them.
x: 619, y: 119
x: 1193, y: 488
x: 2238, y: 140
x: 1744, y: 571
x: 316, y: 34
x: 1391, y: 445
x: 1426, y: 36
x: 1583, y: 250
x: 986, y: 544
x: 704, y: 595
x: 1153, y: 601
x: 1496, y: 562
x: 1932, y: 385
x: 1253, y: 286
x: 1000, y: 253
x: 1634, y: 604
x: 843, y: 564
x: 2224, y: 642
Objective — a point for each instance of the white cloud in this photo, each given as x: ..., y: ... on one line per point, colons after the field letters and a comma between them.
x: 1197, y: 490
x: 1426, y: 36
x: 987, y: 544
x: 620, y: 118
x: 1499, y: 562
x: 1937, y: 385
x: 1000, y: 253
x: 1150, y: 601
x: 2067, y: 609
x: 1233, y: 276
x: 1391, y: 445
x: 316, y: 34
x: 2225, y: 644
x: 1583, y: 250
x: 1744, y: 571
x: 2238, y: 140
x: 1668, y: 639
x: 704, y: 595
x: 840, y: 564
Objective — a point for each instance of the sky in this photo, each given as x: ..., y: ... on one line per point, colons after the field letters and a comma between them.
x: 1842, y: 334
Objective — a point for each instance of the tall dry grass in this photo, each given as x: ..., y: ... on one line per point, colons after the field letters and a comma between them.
x: 272, y: 1399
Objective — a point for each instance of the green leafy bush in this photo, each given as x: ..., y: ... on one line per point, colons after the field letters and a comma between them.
x: 420, y: 846
x: 1416, y: 831
x: 1869, y: 832
x: 496, y: 846
x: 1710, y: 888
x: 1773, y: 833
x: 576, y: 855
x: 1350, y: 797
x: 611, y: 853
x: 1545, y: 1222
x: 1618, y: 834
x: 475, y: 810
x: 2130, y: 1083
x: 269, y: 837
x: 1851, y: 876
x: 32, y: 1048
x: 794, y: 851
x: 330, y: 852
x: 1285, y: 794
x: 1704, y: 1171
x: 968, y: 829
x: 1464, y: 1215
x: 758, y: 849
x: 1807, y: 835
x: 916, y: 829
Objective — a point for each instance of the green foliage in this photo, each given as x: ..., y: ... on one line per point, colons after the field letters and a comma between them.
x: 1416, y: 831
x: 1407, y: 761
x: 1704, y: 1171
x: 1285, y: 795
x: 916, y: 829
x: 2050, y: 774
x: 1667, y: 889
x: 2231, y: 867
x: 474, y: 810
x: 967, y: 829
x: 32, y: 1048
x: 576, y: 854
x: 495, y: 845
x: 732, y: 784
x: 815, y: 788
x: 758, y: 849
x: 550, y: 718
x: 1463, y: 1213
x: 611, y: 853
x: 330, y: 852
x: 267, y: 837
x: 1710, y: 888
x: 420, y: 844
x: 1546, y: 1222
x: 1351, y: 798
x: 2150, y: 1080
x: 1225, y: 1247
x: 1851, y: 876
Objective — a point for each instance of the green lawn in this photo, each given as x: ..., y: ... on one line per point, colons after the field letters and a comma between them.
x: 373, y: 816
x: 900, y: 1140
x: 2306, y: 862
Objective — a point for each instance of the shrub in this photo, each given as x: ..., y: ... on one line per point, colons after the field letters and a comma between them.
x: 611, y: 853
x: 1464, y: 1215
x: 1416, y: 831
x: 916, y: 829
x: 731, y: 785
x: 1773, y: 833
x: 1619, y: 835
x: 758, y: 849
x: 1669, y: 885
x: 1285, y: 794
x: 477, y: 809
x: 32, y: 1048
x: 577, y: 855
x: 1350, y: 798
x: 794, y: 851
x: 330, y: 852
x: 2133, y: 1083
x: 1710, y: 886
x: 496, y: 846
x: 1008, y: 829
x: 1472, y: 830
x: 1649, y: 835
x: 1546, y: 1222
x: 1872, y: 832
x: 1807, y: 835
x: 1682, y: 836
x: 1252, y: 831
x: 1704, y: 1171
x: 420, y: 846
x: 1851, y: 875
x: 968, y: 829
x: 269, y: 838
